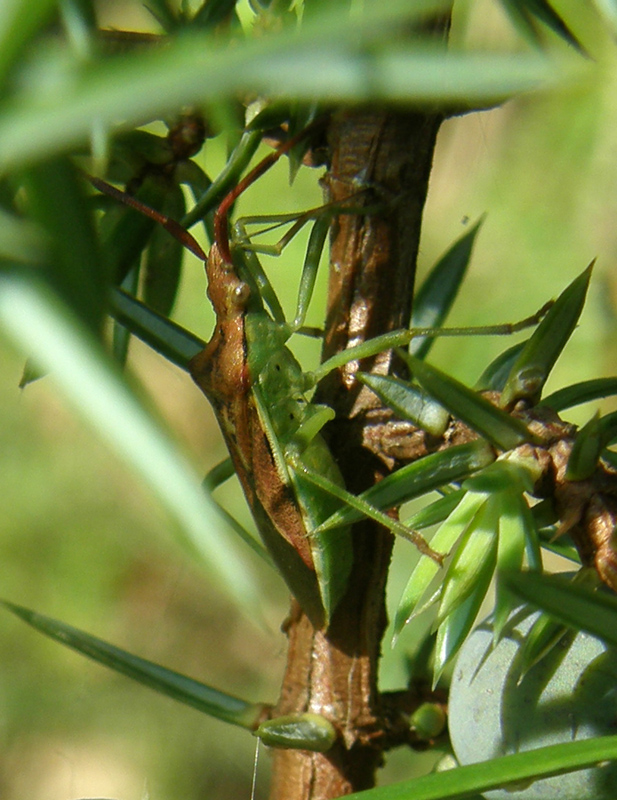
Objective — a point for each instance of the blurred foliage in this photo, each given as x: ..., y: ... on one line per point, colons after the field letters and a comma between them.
x: 82, y: 538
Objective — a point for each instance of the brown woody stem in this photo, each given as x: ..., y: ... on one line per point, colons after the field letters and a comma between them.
x: 373, y: 259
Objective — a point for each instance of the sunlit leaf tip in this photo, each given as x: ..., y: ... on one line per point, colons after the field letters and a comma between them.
x: 439, y: 289
x: 526, y: 14
x: 534, y: 364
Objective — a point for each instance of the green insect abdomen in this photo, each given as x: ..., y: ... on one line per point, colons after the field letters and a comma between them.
x: 292, y: 425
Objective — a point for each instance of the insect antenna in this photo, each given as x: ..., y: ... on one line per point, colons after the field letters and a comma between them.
x: 172, y: 226
x: 220, y: 223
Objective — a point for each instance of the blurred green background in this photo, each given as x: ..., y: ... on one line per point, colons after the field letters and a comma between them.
x: 81, y: 540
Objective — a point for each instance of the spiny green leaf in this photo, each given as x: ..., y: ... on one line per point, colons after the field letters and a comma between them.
x: 214, y: 478
x: 74, y: 265
x: 228, y: 177
x: 539, y: 355
x: 532, y: 536
x: 608, y: 428
x: 246, y: 537
x: 586, y: 451
x: 213, y: 12
x: 426, y: 569
x: 545, y: 523
x: 578, y: 393
x: 510, y: 552
x: 543, y: 636
x: 503, y: 475
x: 504, y: 431
x: 461, y: 782
x: 121, y: 335
x: 163, y: 263
x: 169, y: 339
x: 496, y: 374
x: 476, y: 553
x: 435, y: 512
x: 589, y: 445
x: 219, y: 473
x: 407, y: 402
x: 418, y: 478
x: 301, y: 116
x: 337, y: 57
x: 454, y: 629
x: 126, y: 231
x: 527, y: 12
x: 575, y: 604
x: 165, y: 681
x: 163, y: 13
x: 435, y: 297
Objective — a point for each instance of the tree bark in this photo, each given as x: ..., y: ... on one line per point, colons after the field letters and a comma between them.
x: 373, y: 257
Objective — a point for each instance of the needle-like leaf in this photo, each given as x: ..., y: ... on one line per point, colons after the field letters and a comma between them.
x: 165, y: 336
x: 407, y: 401
x: 335, y: 56
x: 575, y: 604
x: 510, y: 552
x: 468, y: 781
x: 475, y: 555
x: 163, y: 263
x: 426, y: 569
x: 586, y: 450
x: 74, y: 263
x: 418, y: 478
x: 165, y: 681
x: 504, y: 431
x: 496, y: 374
x: 527, y: 13
x: 435, y: 297
x: 582, y: 392
x: 538, y: 357
x: 454, y: 629
x: 435, y: 512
